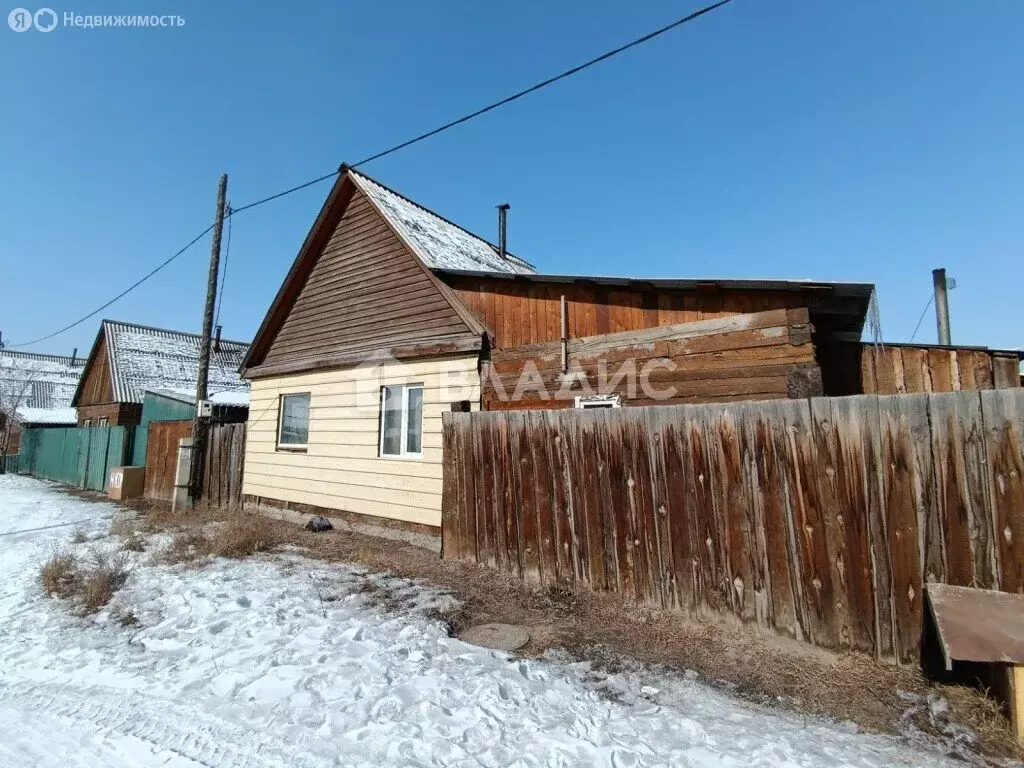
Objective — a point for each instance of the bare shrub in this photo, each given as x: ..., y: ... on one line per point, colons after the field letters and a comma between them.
x: 102, y: 579
x: 59, y: 575
x: 243, y: 535
x: 79, y: 536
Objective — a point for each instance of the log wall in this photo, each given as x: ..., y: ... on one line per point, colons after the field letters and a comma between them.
x: 819, y: 518
x: 754, y: 356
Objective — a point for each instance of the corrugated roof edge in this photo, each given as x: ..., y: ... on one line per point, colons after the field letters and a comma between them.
x: 79, y: 360
x: 171, y: 332
x: 855, y: 289
x: 508, y: 254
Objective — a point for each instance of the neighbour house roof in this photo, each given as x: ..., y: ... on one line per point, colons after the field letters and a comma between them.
x: 439, y: 243
x: 38, y: 382
x: 143, y: 358
x: 224, y: 397
x: 48, y: 415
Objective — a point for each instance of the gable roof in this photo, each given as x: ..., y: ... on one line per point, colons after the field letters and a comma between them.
x: 428, y: 239
x: 438, y: 242
x: 144, y: 358
x: 38, y: 381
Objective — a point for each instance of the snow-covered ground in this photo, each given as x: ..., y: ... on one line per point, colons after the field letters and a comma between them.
x: 283, y: 661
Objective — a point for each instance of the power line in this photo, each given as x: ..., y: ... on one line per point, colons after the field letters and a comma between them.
x: 224, y: 274
x: 923, y: 312
x: 123, y: 293
x: 397, y: 147
x: 501, y: 103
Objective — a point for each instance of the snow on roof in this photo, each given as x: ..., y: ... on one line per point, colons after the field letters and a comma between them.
x: 437, y: 241
x: 144, y: 358
x: 228, y: 397
x: 31, y: 380
x: 47, y: 415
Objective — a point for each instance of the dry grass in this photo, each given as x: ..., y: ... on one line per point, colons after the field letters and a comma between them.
x: 243, y: 535
x: 185, y: 547
x: 236, y: 535
x: 133, y: 542
x: 91, y: 585
x: 59, y: 575
x: 101, y: 580
x: 123, y: 525
x: 79, y: 536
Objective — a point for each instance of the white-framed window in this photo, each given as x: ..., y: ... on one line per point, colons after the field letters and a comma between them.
x: 401, y: 420
x: 293, y: 421
x: 104, y: 421
x: 598, y: 401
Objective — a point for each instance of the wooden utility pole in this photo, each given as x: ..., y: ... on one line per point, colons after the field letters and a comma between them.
x: 201, y: 424
x: 941, y: 306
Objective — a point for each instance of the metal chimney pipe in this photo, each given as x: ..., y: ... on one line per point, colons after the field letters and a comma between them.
x: 503, y: 228
x: 941, y: 305
x: 74, y: 355
x: 216, y: 341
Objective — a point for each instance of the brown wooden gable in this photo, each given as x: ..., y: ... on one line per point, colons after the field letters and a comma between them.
x: 96, y: 385
x: 357, y: 288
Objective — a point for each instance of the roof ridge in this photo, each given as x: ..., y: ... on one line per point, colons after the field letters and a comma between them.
x: 424, y: 208
x: 63, y: 358
x: 168, y: 330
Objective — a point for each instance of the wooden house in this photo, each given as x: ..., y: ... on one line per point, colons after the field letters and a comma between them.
x: 35, y: 391
x: 391, y: 315
x: 126, y: 360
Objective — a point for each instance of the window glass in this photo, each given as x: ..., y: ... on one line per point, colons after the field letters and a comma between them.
x: 294, y: 427
x: 401, y: 420
x: 391, y: 425
x: 414, y: 431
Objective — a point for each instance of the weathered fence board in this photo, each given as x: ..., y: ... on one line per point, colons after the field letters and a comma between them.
x: 821, y: 519
x: 224, y: 465
x: 162, y: 457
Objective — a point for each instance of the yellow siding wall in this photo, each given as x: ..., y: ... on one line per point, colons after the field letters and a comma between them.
x: 342, y: 468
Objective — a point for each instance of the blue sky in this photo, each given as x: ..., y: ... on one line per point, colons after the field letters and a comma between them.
x: 865, y: 141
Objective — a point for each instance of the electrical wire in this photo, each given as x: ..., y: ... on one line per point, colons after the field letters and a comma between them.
x: 396, y: 148
x: 121, y: 295
x: 224, y: 272
x: 921, y: 318
x: 496, y: 104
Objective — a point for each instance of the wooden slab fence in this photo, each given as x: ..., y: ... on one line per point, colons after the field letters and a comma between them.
x: 162, y: 457
x: 819, y: 518
x: 225, y: 463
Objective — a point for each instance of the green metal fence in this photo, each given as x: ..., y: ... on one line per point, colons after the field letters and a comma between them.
x: 78, y: 456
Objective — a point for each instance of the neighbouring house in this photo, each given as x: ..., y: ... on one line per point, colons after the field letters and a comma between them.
x: 35, y: 391
x: 127, y: 360
x: 226, y: 407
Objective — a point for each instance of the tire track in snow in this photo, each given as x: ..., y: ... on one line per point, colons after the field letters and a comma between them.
x: 157, y: 722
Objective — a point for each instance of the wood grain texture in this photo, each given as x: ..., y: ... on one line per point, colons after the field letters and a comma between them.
x: 821, y: 520
x: 903, y: 369
x: 365, y: 286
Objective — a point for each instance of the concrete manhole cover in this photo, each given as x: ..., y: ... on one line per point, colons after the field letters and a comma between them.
x: 501, y: 637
